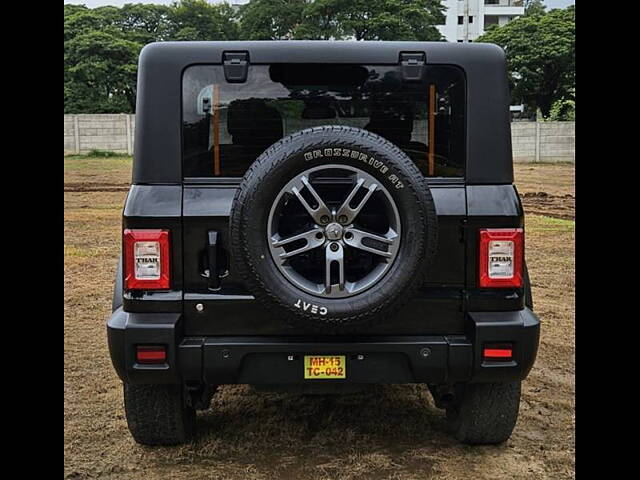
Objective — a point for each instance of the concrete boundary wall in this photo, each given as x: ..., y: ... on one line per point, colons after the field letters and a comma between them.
x: 532, y: 141
x: 543, y: 141
x: 113, y: 132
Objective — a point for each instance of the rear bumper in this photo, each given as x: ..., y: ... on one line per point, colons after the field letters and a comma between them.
x: 279, y: 360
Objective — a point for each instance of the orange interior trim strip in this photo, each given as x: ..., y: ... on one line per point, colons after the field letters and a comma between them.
x: 432, y: 129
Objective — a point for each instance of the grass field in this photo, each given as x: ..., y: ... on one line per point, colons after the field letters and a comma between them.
x: 390, y: 432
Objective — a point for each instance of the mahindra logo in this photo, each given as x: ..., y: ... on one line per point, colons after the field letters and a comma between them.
x: 333, y: 231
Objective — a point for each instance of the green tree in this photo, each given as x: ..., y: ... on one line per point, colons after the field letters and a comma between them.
x: 563, y: 109
x: 534, y: 7
x: 199, y: 20
x: 98, y: 75
x: 392, y: 19
x: 101, y: 72
x: 342, y: 19
x: 80, y: 19
x: 102, y: 45
x: 270, y: 19
x: 145, y: 23
x: 320, y: 21
x: 540, y: 52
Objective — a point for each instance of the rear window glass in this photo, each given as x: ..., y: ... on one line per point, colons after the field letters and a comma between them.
x: 226, y: 126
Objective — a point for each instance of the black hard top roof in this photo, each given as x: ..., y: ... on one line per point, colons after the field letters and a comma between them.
x: 318, y: 51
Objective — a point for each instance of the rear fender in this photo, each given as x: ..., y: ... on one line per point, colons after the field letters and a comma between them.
x: 117, y: 288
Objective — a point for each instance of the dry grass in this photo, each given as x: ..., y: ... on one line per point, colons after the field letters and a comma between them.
x: 391, y: 432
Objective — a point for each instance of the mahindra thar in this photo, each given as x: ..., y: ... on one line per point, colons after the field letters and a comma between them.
x: 308, y: 214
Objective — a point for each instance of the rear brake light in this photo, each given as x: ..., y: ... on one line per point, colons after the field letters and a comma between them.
x: 501, y: 253
x: 149, y: 354
x: 146, y: 254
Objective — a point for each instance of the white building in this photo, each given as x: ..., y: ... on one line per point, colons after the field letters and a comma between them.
x: 468, y: 19
x: 235, y: 4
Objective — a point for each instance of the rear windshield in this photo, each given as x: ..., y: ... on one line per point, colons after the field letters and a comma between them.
x: 226, y: 126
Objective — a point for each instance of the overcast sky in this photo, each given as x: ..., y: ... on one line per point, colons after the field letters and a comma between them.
x: 98, y: 3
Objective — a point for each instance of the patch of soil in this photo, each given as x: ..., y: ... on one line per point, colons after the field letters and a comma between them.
x: 95, y: 187
x: 555, y: 206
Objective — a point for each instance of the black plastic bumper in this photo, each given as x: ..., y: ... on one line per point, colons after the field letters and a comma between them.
x: 279, y: 360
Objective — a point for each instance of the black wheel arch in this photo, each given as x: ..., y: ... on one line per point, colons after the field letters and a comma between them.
x: 116, y: 301
x: 528, y: 297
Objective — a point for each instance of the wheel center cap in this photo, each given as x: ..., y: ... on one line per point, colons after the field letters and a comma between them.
x: 333, y: 231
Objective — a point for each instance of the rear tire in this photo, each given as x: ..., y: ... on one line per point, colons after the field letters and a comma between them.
x: 485, y: 413
x: 158, y: 414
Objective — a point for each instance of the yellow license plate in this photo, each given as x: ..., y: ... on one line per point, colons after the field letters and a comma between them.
x: 317, y: 367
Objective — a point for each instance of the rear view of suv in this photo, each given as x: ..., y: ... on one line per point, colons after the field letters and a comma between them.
x: 312, y: 214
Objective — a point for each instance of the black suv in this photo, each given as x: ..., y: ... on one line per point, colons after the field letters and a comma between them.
x: 319, y: 215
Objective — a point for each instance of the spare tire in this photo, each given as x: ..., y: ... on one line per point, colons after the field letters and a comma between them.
x: 333, y: 226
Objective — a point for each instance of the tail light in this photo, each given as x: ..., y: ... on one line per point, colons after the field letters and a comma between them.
x: 146, y: 259
x: 501, y: 254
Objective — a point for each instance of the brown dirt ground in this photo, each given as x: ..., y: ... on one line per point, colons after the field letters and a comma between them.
x: 547, y: 189
x: 391, y: 432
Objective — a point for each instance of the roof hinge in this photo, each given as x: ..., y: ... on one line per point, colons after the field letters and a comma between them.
x: 236, y: 66
x: 412, y: 65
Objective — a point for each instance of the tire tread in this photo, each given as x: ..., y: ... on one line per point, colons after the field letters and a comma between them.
x: 486, y: 414
x: 157, y: 415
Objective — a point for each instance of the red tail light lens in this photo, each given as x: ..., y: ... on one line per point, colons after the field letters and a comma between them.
x: 146, y: 259
x: 501, y: 254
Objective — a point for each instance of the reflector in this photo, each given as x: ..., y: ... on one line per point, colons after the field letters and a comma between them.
x: 497, y: 353
x: 151, y: 354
